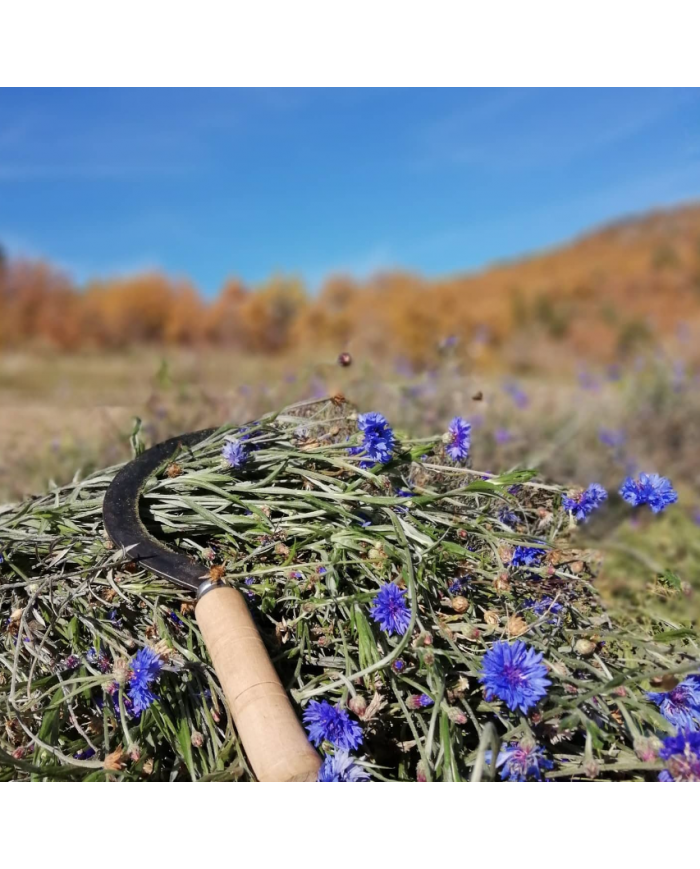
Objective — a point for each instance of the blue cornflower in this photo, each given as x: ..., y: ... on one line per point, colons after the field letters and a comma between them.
x: 341, y: 767
x: 234, y: 452
x: 651, y: 489
x: 514, y: 673
x: 545, y: 605
x: 521, y: 760
x: 582, y: 505
x: 373, y: 424
x: 377, y: 440
x: 682, y: 756
x: 419, y: 701
x: 327, y: 723
x: 526, y: 556
x: 459, y: 433
x: 507, y: 517
x: 456, y: 585
x: 145, y: 666
x: 390, y: 609
x: 681, y: 705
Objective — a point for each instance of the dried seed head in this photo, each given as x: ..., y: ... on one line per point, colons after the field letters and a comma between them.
x: 505, y: 553
x: 516, y: 626
x: 216, y: 572
x: 560, y: 668
x: 491, y: 618
x: 197, y: 739
x: 421, y: 771
x: 115, y: 760
x: 121, y: 670
x: 174, y: 470
x: 584, y: 647
x: 501, y: 583
x: 460, y: 604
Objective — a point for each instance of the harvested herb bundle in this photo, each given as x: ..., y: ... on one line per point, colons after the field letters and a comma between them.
x: 430, y: 622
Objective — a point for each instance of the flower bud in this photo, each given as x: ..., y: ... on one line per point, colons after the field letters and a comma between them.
x: 591, y: 769
x: 456, y: 715
x: 421, y: 771
x: 358, y: 705
x: 646, y: 748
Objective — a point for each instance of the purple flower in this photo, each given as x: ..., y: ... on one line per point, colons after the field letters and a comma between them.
x: 516, y: 393
x: 341, y: 767
x: 515, y: 674
x: 71, y: 662
x: 682, y: 756
x: 611, y: 437
x: 145, y: 667
x: 681, y: 705
x: 582, y: 505
x: 459, y: 433
x: 651, y: 489
x: 419, y: 701
x: 234, y: 452
x: 390, y: 609
x: 327, y: 723
x: 521, y: 760
x: 503, y: 436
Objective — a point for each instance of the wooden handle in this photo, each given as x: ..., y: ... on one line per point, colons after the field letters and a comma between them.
x: 273, y: 738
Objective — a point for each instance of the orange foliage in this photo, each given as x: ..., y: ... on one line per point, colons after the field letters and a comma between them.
x: 598, y: 297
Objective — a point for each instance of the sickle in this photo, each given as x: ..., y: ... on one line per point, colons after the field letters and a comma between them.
x: 267, y: 725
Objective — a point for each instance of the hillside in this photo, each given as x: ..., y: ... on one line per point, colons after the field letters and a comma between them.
x: 601, y: 297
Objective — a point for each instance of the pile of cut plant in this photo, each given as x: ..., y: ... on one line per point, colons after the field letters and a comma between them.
x: 429, y: 622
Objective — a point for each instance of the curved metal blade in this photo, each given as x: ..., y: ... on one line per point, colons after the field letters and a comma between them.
x: 123, y: 524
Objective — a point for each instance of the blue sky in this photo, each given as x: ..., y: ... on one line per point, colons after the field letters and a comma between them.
x: 212, y: 183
